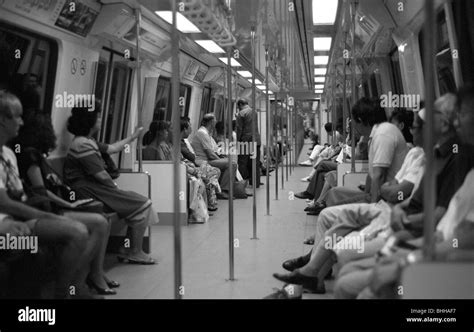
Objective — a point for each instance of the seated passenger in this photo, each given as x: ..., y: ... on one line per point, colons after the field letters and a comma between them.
x: 451, y: 170
x: 158, y: 147
x: 36, y: 140
x: 204, y: 147
x: 318, y: 149
x: 403, y: 120
x: 148, y: 137
x: 210, y: 175
x: 85, y: 172
x: 77, y: 248
x: 456, y: 223
x: 387, y: 150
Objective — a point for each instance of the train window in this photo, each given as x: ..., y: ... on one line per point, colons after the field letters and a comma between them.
x: 205, y: 102
x: 28, y: 65
x: 163, y: 105
x: 163, y: 93
x: 463, y: 12
x: 444, y: 62
x: 185, y: 92
x: 396, y: 72
x: 112, y: 89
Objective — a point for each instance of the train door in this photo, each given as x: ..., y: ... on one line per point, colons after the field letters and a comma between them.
x: 112, y: 91
x: 28, y: 66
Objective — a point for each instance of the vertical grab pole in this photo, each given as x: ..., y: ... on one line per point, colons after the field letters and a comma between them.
x: 287, y: 137
x: 282, y: 138
x: 176, y: 154
x: 254, y: 139
x: 139, y: 89
x: 290, y: 131
x: 231, y: 175
x: 353, y: 85
x: 333, y: 105
x: 275, y: 146
x: 268, y: 114
x: 430, y: 176
x: 344, y: 92
x: 295, y: 118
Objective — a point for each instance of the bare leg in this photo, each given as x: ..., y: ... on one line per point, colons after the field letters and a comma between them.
x: 99, y: 230
x: 74, y: 258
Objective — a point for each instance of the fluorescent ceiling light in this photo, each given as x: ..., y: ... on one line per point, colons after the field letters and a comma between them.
x: 261, y: 87
x: 233, y: 62
x: 183, y: 24
x: 319, y: 79
x: 257, y: 81
x: 318, y: 91
x: 320, y: 71
x: 210, y: 46
x: 244, y: 73
x: 321, y: 59
x: 270, y: 92
x: 324, y: 11
x: 319, y: 86
x: 322, y: 43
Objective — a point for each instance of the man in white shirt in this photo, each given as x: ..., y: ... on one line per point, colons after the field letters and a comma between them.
x: 50, y: 229
x: 355, y: 276
x: 203, y: 146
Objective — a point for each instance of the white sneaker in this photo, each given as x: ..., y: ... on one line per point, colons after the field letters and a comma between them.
x: 306, y: 179
x: 309, y: 200
x: 306, y: 163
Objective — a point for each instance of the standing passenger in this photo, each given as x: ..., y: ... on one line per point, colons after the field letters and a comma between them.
x: 246, y: 118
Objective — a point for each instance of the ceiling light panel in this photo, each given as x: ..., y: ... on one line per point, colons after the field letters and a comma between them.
x: 182, y: 23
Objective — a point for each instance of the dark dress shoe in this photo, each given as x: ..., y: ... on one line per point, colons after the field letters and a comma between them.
x: 295, y: 263
x: 295, y: 277
x: 304, y: 195
x: 308, y: 208
x: 316, y: 209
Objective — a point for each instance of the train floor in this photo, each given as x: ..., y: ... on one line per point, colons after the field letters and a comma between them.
x: 205, y: 249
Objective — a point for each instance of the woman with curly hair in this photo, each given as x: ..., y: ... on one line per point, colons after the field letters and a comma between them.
x: 35, y: 141
x: 85, y: 171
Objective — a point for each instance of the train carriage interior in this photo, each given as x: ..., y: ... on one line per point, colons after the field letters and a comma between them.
x: 237, y: 149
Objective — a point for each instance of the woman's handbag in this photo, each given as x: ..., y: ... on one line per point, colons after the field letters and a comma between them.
x: 239, y: 189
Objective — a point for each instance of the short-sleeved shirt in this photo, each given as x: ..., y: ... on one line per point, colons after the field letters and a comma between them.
x: 387, y: 149
x: 202, y: 142
x: 461, y: 208
x: 84, y: 159
x: 9, y: 176
x: 451, y: 169
x: 413, y: 167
